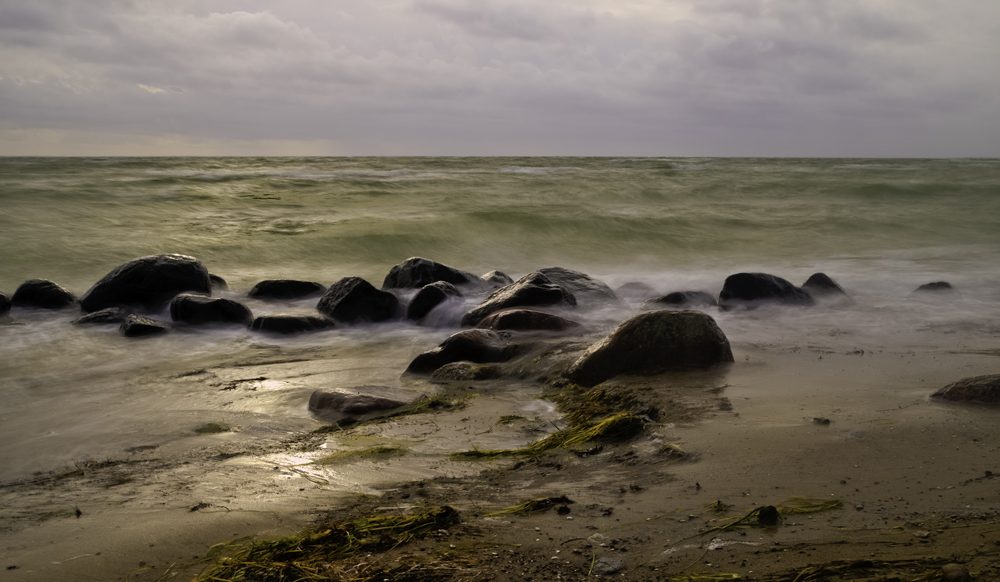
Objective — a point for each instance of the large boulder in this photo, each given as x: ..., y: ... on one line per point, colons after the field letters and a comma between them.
x: 526, y: 320
x: 284, y: 289
x: 197, y: 309
x: 416, y: 272
x: 531, y: 290
x: 354, y: 300
x: 985, y: 389
x: 290, y: 324
x: 138, y: 326
x: 480, y: 346
x: 43, y: 294
x: 4, y: 304
x: 681, y: 300
x: 589, y: 292
x: 824, y: 289
x: 337, y: 404
x: 429, y: 297
x: 652, y: 343
x: 750, y: 290
x: 111, y: 315
x: 150, y: 282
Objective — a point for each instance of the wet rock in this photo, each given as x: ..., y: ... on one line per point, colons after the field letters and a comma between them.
x: 217, y: 282
x: 526, y: 320
x: 111, y: 315
x: 608, y: 566
x: 42, y: 294
x: 936, y: 290
x: 465, y: 371
x: 480, y: 346
x: 955, y: 573
x: 4, y: 304
x: 327, y: 404
x: 652, y: 343
x: 635, y: 290
x: 354, y: 300
x: 416, y: 272
x: 984, y: 389
x: 821, y: 287
x: 290, y: 324
x: 286, y: 289
x: 198, y: 309
x: 429, y: 297
x: 137, y: 326
x: 150, y: 282
x: 681, y: 300
x: 588, y: 291
x: 750, y: 290
x: 497, y: 279
x: 768, y: 515
x: 531, y: 290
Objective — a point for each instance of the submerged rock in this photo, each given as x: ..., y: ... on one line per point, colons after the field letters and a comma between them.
x: 429, y: 297
x: 286, y: 289
x: 354, y: 300
x: 148, y: 281
x: 681, y: 300
x: 137, y: 326
x: 42, y: 294
x: 111, y: 315
x: 480, y: 346
x: 820, y: 286
x: 526, y: 320
x: 497, y: 279
x: 197, y: 309
x: 322, y: 403
x: 589, y: 292
x: 984, y: 389
x: 936, y: 290
x: 290, y: 324
x: 533, y: 289
x: 416, y: 272
x: 465, y: 372
x: 652, y: 343
x: 750, y: 290
x: 4, y: 304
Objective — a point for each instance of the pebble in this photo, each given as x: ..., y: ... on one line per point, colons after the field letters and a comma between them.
x: 955, y: 573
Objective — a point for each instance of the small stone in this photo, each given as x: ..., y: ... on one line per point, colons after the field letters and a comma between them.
x: 608, y: 566
x: 955, y: 573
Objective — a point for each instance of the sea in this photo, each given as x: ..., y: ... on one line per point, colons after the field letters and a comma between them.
x: 68, y: 394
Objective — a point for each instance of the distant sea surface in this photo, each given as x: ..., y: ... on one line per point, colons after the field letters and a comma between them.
x: 879, y: 227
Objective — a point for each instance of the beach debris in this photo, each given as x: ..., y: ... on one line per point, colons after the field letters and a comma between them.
x: 533, y: 289
x: 77, y: 512
x: 138, y: 326
x: 199, y: 309
x: 150, y: 281
x: 983, y: 389
x: 653, y: 343
x: 530, y: 506
x: 354, y: 300
x: 42, y: 294
x: 474, y: 345
x: 769, y: 515
x: 286, y: 289
x: 290, y: 324
x: 751, y: 290
x: 821, y: 420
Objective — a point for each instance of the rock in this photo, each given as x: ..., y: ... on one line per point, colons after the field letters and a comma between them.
x: 681, y: 300
x: 42, y: 294
x: 475, y: 345
x: 465, y: 372
x: 4, y: 304
x: 136, y: 326
x: 955, y: 573
x: 652, y: 343
x: 526, y: 320
x: 635, y: 290
x: 936, y: 290
x: 588, y: 291
x: 286, y: 289
x: 820, y: 286
x: 289, y: 324
x: 429, y: 297
x: 416, y: 272
x: 217, y: 282
x: 197, y: 309
x: 115, y: 315
x: 531, y: 290
x: 354, y: 300
x: 608, y: 566
x: 150, y: 282
x: 768, y: 515
x: 985, y: 389
x: 750, y: 290
x: 497, y: 279
x: 326, y: 404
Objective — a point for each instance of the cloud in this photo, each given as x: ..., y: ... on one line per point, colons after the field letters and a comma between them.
x: 153, y: 90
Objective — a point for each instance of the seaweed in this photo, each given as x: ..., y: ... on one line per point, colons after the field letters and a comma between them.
x: 530, y: 506
x: 351, y: 455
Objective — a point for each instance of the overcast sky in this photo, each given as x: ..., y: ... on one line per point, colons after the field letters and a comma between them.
x: 859, y: 78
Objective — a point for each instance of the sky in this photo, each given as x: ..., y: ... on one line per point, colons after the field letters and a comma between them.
x: 800, y: 78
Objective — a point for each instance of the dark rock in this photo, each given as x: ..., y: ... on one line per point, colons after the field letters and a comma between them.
x: 429, y: 297
x: 635, y: 290
x: 42, y: 294
x: 286, y: 289
x: 936, y: 290
x: 533, y: 289
x: 150, y: 282
x: 588, y: 291
x: 111, y: 315
x: 465, y: 372
x: 217, y: 282
x: 326, y: 404
x: 136, y: 326
x: 197, y: 309
x: 4, y: 304
x: 768, y: 515
x: 652, y: 343
x: 289, y: 324
x: 416, y: 272
x: 526, y: 320
x: 681, y: 300
x: 984, y: 389
x: 751, y: 290
x: 497, y: 279
x: 354, y: 300
x: 608, y: 566
x: 820, y: 286
x: 955, y: 573
x: 474, y: 345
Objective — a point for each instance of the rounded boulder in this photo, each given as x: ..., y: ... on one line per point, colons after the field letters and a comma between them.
x: 150, y: 282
